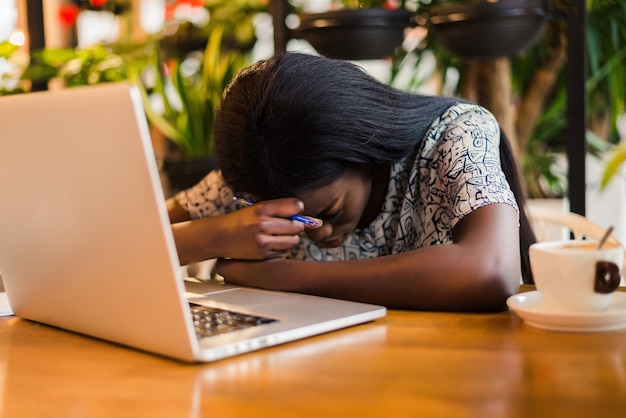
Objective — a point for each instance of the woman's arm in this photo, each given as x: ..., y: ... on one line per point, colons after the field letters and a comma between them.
x: 258, y: 232
x: 176, y: 212
x: 475, y: 273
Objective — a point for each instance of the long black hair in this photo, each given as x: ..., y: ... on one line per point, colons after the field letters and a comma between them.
x: 294, y: 122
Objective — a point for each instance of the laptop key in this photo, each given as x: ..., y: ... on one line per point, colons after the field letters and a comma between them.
x: 209, y: 321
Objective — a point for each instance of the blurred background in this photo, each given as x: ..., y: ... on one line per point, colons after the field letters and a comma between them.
x: 511, y: 56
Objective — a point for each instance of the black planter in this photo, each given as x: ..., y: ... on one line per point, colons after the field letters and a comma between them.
x: 488, y: 30
x: 188, y: 39
x: 182, y: 173
x: 354, y: 34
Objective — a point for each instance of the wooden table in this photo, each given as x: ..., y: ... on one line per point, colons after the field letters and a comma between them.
x: 409, y: 364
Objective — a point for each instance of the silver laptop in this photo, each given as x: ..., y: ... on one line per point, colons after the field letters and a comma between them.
x: 86, y: 245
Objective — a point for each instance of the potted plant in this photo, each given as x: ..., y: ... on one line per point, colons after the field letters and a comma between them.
x: 235, y: 16
x: 541, y: 123
x: 182, y: 107
x: 358, y: 30
x: 77, y: 66
x: 531, y: 86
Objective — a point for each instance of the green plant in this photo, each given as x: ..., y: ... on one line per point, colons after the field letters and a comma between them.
x: 539, y: 87
x: 7, y: 49
x: 9, y: 75
x: 236, y: 17
x: 189, y: 101
x: 77, y: 66
x: 606, y: 56
x: 616, y: 158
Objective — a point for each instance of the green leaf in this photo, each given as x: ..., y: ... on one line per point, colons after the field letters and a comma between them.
x: 191, y: 125
x: 161, y: 123
x: 39, y: 72
x: 185, y: 121
x: 55, y: 57
x: 7, y: 49
x: 211, y: 60
x: 613, y: 164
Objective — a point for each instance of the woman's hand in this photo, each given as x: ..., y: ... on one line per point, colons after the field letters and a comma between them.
x: 263, y: 230
x: 257, y: 232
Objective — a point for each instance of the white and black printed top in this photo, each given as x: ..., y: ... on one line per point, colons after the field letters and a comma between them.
x: 454, y: 170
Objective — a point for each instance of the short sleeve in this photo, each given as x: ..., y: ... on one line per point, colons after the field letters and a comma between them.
x: 211, y: 196
x: 467, y: 162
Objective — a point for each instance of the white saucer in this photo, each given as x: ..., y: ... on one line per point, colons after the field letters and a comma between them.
x: 530, y: 307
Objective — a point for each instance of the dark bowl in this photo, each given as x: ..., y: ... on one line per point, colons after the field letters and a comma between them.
x: 354, y: 34
x: 488, y: 30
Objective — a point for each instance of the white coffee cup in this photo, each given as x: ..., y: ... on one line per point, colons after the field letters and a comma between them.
x: 574, y: 276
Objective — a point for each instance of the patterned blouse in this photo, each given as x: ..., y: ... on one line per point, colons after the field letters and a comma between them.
x: 454, y: 170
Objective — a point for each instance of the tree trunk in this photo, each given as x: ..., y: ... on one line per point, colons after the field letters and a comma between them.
x: 537, y: 93
x: 488, y: 83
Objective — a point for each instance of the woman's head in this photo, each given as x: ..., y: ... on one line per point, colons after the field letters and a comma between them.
x: 296, y: 122
x: 300, y: 125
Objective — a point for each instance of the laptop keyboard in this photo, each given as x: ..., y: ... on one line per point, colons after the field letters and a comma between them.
x: 209, y: 321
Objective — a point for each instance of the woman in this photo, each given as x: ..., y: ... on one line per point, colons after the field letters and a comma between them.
x: 419, y: 196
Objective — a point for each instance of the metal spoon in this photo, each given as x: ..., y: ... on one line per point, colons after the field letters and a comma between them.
x: 606, y: 236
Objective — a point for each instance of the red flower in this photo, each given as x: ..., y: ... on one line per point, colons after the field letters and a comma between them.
x: 170, y: 11
x: 194, y: 3
x: 391, y: 4
x: 97, y: 3
x: 68, y: 14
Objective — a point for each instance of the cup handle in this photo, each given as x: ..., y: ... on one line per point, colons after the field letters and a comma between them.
x: 607, y: 277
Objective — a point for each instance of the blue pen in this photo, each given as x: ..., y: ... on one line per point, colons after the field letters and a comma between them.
x: 300, y: 218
